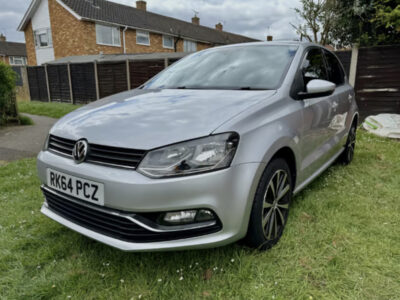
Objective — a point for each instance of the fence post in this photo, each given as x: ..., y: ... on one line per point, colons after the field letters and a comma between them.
x: 25, y: 81
x: 128, y: 74
x: 165, y: 62
x: 47, y: 83
x: 71, y: 95
x: 96, y: 79
x: 353, y: 66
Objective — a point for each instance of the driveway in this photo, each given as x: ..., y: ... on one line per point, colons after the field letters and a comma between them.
x: 24, y: 141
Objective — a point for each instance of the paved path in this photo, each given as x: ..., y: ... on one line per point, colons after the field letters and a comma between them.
x: 24, y: 141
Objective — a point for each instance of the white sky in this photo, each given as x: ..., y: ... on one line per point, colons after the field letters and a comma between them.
x: 253, y: 18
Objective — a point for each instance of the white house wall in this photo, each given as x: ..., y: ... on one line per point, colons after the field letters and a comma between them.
x: 41, y: 20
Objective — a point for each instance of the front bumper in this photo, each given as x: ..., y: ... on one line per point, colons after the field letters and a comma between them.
x: 229, y: 193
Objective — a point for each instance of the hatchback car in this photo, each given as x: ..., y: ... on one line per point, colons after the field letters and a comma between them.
x: 208, y: 152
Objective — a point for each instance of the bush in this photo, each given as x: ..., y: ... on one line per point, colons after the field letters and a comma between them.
x: 8, y: 108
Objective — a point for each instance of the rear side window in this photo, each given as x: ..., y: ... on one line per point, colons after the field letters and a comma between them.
x: 314, y: 66
x: 335, y: 71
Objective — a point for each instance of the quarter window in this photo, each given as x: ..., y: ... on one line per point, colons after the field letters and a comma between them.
x: 142, y: 37
x: 42, y: 38
x: 314, y: 66
x: 168, y: 42
x: 108, y: 35
x: 189, y: 46
x: 335, y: 71
x: 17, y: 60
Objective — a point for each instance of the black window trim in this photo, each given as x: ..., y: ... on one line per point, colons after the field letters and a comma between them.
x: 340, y: 66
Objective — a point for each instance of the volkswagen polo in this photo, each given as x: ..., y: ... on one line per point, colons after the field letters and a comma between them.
x: 208, y: 152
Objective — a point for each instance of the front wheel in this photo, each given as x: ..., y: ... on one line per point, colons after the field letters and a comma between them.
x: 271, y: 206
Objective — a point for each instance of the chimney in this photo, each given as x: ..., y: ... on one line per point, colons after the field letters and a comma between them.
x: 269, y: 38
x: 141, y: 5
x: 196, y: 20
x: 219, y: 26
x: 2, y: 38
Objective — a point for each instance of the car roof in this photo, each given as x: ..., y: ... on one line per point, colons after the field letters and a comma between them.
x: 272, y: 43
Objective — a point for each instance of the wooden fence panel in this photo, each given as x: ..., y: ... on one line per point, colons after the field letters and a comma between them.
x: 378, y: 80
x: 83, y: 83
x: 58, y: 83
x: 37, y: 83
x: 141, y: 71
x: 112, y: 78
x: 345, y: 59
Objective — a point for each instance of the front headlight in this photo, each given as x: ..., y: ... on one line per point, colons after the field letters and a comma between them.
x: 214, y: 152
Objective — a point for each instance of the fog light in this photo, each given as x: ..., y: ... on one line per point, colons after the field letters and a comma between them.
x: 180, y: 217
x: 204, y: 215
x: 188, y: 216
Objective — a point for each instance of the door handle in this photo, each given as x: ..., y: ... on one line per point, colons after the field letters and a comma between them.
x: 350, y: 97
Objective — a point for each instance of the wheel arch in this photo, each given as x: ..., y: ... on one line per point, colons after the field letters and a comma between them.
x: 288, y: 155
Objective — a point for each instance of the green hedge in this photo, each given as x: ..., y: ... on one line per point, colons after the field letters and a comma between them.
x: 8, y: 106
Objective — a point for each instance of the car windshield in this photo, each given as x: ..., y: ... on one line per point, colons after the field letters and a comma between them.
x: 258, y: 67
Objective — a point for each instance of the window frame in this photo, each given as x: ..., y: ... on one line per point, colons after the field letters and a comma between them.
x: 328, y: 69
x: 116, y: 28
x: 189, y: 41
x: 163, y: 41
x: 142, y: 33
x: 13, y: 57
x: 36, y: 40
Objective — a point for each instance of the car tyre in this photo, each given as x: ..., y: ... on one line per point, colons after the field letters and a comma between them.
x: 348, y: 154
x: 270, y: 209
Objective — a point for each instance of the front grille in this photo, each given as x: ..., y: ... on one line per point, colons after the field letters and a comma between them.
x: 99, y: 154
x: 113, y: 225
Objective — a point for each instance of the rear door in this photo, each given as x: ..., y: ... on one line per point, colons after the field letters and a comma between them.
x: 342, y: 97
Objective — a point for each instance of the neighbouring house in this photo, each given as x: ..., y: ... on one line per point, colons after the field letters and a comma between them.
x: 12, y: 53
x: 59, y: 28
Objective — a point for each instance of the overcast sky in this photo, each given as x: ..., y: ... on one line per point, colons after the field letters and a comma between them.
x: 253, y: 18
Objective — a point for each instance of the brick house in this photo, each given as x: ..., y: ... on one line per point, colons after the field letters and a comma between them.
x: 59, y: 28
x: 12, y: 53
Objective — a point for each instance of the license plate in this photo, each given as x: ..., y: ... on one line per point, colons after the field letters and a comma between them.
x: 83, y: 189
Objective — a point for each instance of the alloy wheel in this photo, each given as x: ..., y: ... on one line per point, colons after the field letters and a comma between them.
x: 275, y: 205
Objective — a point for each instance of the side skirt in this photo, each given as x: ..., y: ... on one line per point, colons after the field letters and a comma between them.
x: 318, y: 172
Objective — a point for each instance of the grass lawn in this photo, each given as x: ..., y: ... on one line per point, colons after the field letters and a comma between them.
x: 48, y: 109
x: 342, y: 242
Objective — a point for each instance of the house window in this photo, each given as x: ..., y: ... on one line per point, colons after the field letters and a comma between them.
x: 108, y: 35
x: 42, y: 38
x: 189, y: 46
x: 17, y: 60
x: 168, y: 42
x: 142, y: 38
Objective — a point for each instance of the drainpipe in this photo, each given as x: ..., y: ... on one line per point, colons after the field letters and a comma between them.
x: 123, y: 37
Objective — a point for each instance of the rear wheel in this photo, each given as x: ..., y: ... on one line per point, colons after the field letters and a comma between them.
x: 348, y: 154
x: 271, y: 206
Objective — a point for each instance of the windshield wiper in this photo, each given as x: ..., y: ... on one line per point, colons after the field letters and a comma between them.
x: 249, y: 88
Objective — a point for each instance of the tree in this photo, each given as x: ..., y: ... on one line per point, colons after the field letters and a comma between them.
x: 347, y: 22
x: 317, y: 16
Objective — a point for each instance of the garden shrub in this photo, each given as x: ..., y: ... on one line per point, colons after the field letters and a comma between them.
x: 8, y: 106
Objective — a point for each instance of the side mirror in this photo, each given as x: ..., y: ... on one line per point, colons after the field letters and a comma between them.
x: 318, y: 88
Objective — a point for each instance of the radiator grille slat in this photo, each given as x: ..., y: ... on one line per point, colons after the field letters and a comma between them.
x: 99, y: 154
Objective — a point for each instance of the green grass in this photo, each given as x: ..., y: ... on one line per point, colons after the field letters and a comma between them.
x: 48, y: 109
x: 25, y: 120
x: 342, y: 242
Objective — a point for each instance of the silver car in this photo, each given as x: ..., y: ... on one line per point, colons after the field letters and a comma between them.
x: 206, y: 153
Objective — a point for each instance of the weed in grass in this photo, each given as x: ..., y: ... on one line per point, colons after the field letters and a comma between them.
x: 342, y: 241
